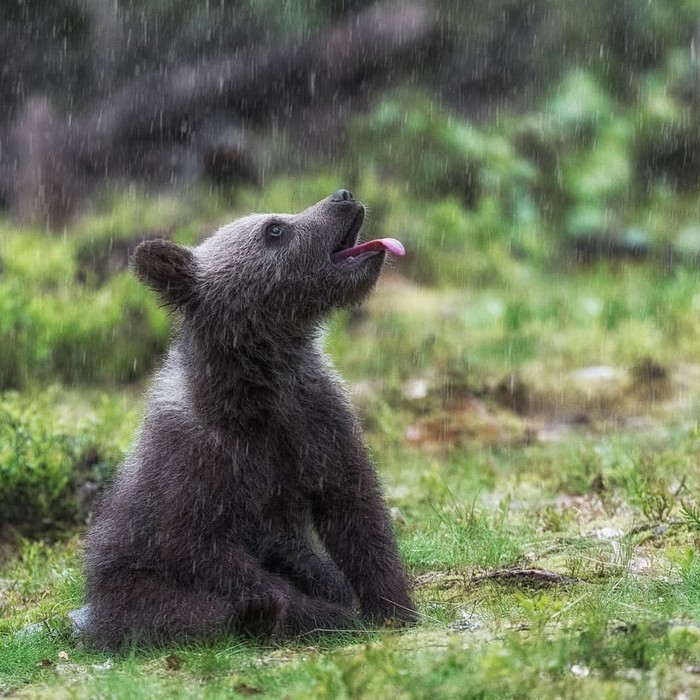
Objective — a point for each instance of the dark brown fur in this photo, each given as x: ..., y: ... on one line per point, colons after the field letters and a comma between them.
x: 249, y: 502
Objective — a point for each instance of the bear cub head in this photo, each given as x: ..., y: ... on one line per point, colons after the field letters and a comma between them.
x: 264, y: 271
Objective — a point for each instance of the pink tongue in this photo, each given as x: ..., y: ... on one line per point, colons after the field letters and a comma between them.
x: 390, y: 244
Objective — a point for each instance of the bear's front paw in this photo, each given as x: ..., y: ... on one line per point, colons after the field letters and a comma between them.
x: 337, y: 591
x: 318, y: 616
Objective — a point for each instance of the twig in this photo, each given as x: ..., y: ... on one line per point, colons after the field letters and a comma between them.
x: 645, y: 527
x: 440, y: 578
x: 537, y: 577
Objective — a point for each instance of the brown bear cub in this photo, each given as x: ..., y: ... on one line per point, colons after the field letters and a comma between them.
x: 249, y: 502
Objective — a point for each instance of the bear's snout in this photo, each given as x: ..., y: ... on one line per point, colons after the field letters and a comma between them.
x: 342, y: 196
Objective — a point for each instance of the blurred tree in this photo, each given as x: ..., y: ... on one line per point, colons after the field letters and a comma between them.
x: 174, y: 90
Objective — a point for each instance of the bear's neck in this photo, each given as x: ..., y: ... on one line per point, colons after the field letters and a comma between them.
x: 230, y: 382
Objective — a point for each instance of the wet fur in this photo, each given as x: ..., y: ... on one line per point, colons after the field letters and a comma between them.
x: 249, y: 502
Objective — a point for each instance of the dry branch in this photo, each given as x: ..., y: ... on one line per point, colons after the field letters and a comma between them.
x: 530, y: 577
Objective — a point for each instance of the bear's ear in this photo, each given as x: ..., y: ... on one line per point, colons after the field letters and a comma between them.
x: 167, y: 268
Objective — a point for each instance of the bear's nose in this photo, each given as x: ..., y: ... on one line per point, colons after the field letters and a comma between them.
x: 342, y: 196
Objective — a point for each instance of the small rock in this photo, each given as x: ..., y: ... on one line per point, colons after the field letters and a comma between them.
x: 80, y: 619
x: 630, y: 674
x: 466, y: 622
x: 29, y: 630
x: 397, y: 516
x: 608, y: 533
x: 105, y: 666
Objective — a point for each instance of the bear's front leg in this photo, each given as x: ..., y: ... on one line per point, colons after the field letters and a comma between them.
x: 314, y: 573
x: 353, y: 521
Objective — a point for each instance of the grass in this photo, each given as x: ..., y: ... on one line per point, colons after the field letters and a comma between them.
x: 620, y: 633
x: 614, y: 512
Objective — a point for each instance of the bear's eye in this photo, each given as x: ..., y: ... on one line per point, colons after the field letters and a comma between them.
x: 274, y: 230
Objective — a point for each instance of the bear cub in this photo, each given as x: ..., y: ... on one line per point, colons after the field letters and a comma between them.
x: 249, y: 502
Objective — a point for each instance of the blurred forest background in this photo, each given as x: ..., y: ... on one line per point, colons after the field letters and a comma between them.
x: 540, y: 161
x: 503, y: 142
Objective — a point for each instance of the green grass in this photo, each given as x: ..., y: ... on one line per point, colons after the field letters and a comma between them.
x: 625, y: 625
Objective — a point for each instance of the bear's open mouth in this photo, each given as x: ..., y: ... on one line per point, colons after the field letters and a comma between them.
x: 350, y: 251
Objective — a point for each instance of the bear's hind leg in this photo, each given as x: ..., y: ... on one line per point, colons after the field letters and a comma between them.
x: 147, y: 609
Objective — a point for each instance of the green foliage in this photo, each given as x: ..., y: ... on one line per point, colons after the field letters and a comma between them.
x: 118, y: 341
x: 69, y: 308
x: 691, y: 513
x: 43, y: 464
x: 18, y: 336
x: 37, y: 465
x: 75, y: 335
x: 431, y: 150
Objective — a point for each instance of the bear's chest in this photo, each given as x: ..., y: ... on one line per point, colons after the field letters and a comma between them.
x: 299, y: 458
x: 276, y: 461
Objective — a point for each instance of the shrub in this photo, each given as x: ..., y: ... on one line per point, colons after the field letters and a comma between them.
x: 43, y: 466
